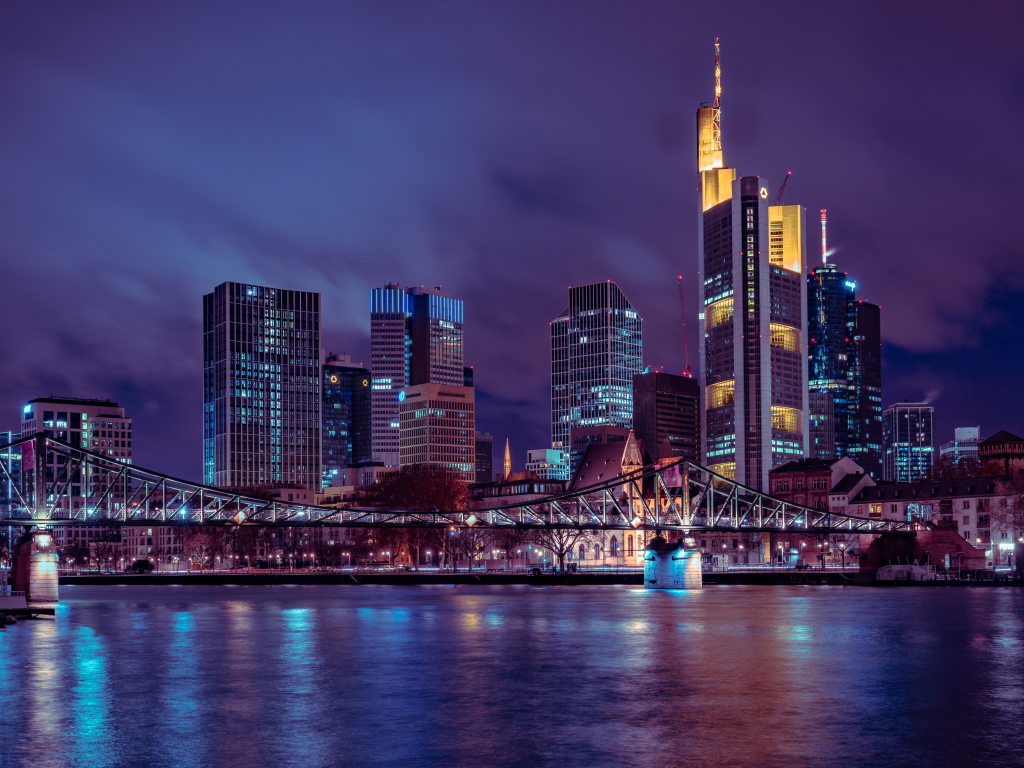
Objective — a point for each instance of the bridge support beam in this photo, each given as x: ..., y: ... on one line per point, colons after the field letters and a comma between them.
x: 35, y: 567
x: 669, y: 565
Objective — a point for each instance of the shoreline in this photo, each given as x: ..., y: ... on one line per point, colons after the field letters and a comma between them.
x: 250, y: 578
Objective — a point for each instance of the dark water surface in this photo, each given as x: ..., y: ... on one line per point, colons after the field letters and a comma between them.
x: 495, y: 676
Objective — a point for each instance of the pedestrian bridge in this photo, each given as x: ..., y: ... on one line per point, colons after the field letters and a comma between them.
x: 62, y: 485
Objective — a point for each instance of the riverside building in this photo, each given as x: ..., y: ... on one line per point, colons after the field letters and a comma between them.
x: 596, y: 348
x: 261, y: 387
x: 415, y: 338
x: 753, y: 325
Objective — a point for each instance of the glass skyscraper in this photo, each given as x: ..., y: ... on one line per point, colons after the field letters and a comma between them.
x: 415, y: 338
x: 844, y: 358
x: 346, y: 437
x: 596, y: 347
x: 261, y: 382
x: 908, y: 434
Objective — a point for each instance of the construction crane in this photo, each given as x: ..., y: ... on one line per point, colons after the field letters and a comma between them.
x: 778, y: 197
x: 686, y: 341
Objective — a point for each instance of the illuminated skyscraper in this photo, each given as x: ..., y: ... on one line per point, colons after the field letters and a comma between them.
x: 415, y: 338
x: 751, y: 257
x: 596, y: 347
x: 845, y: 364
x: 261, y: 379
x: 908, y: 435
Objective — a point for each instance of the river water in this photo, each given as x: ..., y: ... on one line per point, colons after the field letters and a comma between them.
x: 496, y: 676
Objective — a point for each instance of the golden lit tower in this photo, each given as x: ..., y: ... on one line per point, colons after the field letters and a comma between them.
x: 753, y: 324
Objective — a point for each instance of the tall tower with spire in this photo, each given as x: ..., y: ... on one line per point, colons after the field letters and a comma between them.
x: 753, y: 328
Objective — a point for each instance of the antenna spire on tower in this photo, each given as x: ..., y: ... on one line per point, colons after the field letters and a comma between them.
x: 716, y: 115
x: 824, y: 252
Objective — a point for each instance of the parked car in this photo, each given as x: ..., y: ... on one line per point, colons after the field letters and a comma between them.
x: 142, y: 566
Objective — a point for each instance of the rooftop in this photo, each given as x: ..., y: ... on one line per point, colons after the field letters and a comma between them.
x: 74, y: 401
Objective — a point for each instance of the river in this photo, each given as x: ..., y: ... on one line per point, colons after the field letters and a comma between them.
x: 503, y: 676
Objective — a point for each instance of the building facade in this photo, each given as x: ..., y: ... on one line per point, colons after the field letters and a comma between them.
x: 964, y: 445
x: 666, y: 415
x: 548, y: 463
x: 1002, y: 453
x: 864, y: 385
x: 596, y: 348
x: 100, y: 426
x: 345, y: 435
x: 908, y: 434
x: 580, y: 438
x: 415, y: 338
x: 10, y: 479
x: 437, y: 428
x: 261, y: 387
x: 484, y: 456
x: 751, y: 258
x: 829, y: 291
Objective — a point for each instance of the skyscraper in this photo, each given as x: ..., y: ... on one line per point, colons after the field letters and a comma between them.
x: 596, y: 347
x: 484, y: 456
x: 415, y: 338
x: 346, y: 435
x: 864, y: 385
x: 10, y: 478
x: 261, y: 380
x: 753, y: 323
x: 908, y: 435
x: 666, y: 415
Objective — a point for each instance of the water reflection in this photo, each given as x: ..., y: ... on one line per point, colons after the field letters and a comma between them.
x: 513, y: 676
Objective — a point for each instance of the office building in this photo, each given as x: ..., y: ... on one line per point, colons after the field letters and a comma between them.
x: 415, y: 338
x: 666, y: 415
x: 548, y: 463
x: 908, y: 437
x: 596, y: 348
x: 821, y: 425
x: 437, y: 428
x: 828, y: 294
x: 100, y: 426
x: 10, y: 475
x: 484, y: 456
x: 467, y: 375
x: 964, y: 445
x: 261, y: 382
x: 345, y: 436
x: 753, y: 297
x: 864, y: 386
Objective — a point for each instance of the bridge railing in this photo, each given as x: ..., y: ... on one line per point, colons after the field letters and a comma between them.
x: 67, y: 485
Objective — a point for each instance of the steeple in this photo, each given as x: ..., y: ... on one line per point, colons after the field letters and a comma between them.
x: 507, y: 466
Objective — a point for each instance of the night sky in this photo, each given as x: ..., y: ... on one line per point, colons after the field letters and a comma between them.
x: 503, y: 151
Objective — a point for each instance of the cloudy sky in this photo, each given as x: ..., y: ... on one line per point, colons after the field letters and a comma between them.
x: 149, y: 151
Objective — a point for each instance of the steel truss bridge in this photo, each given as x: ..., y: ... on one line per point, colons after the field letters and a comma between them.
x: 62, y: 485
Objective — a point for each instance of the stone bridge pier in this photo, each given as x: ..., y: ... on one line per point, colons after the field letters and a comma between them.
x: 35, y: 567
x: 670, y: 565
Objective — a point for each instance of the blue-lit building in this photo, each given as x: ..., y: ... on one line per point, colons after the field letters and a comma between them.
x: 908, y: 435
x: 10, y: 482
x: 261, y: 379
x: 596, y: 348
x: 415, y: 338
x: 346, y: 402
x: 845, y: 370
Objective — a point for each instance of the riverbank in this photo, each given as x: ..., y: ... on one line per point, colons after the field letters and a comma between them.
x: 411, y: 578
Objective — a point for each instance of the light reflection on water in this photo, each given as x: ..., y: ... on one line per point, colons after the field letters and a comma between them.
x: 496, y: 676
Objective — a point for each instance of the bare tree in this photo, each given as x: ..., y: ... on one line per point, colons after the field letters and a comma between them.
x: 562, y: 540
x: 391, y: 541
x: 511, y: 540
x: 417, y: 538
x: 1007, y: 516
x: 197, y: 545
x: 418, y: 488
x: 106, y: 551
x: 948, y: 468
x: 471, y: 542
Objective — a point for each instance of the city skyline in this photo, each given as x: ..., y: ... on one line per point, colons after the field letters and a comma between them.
x: 503, y: 212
